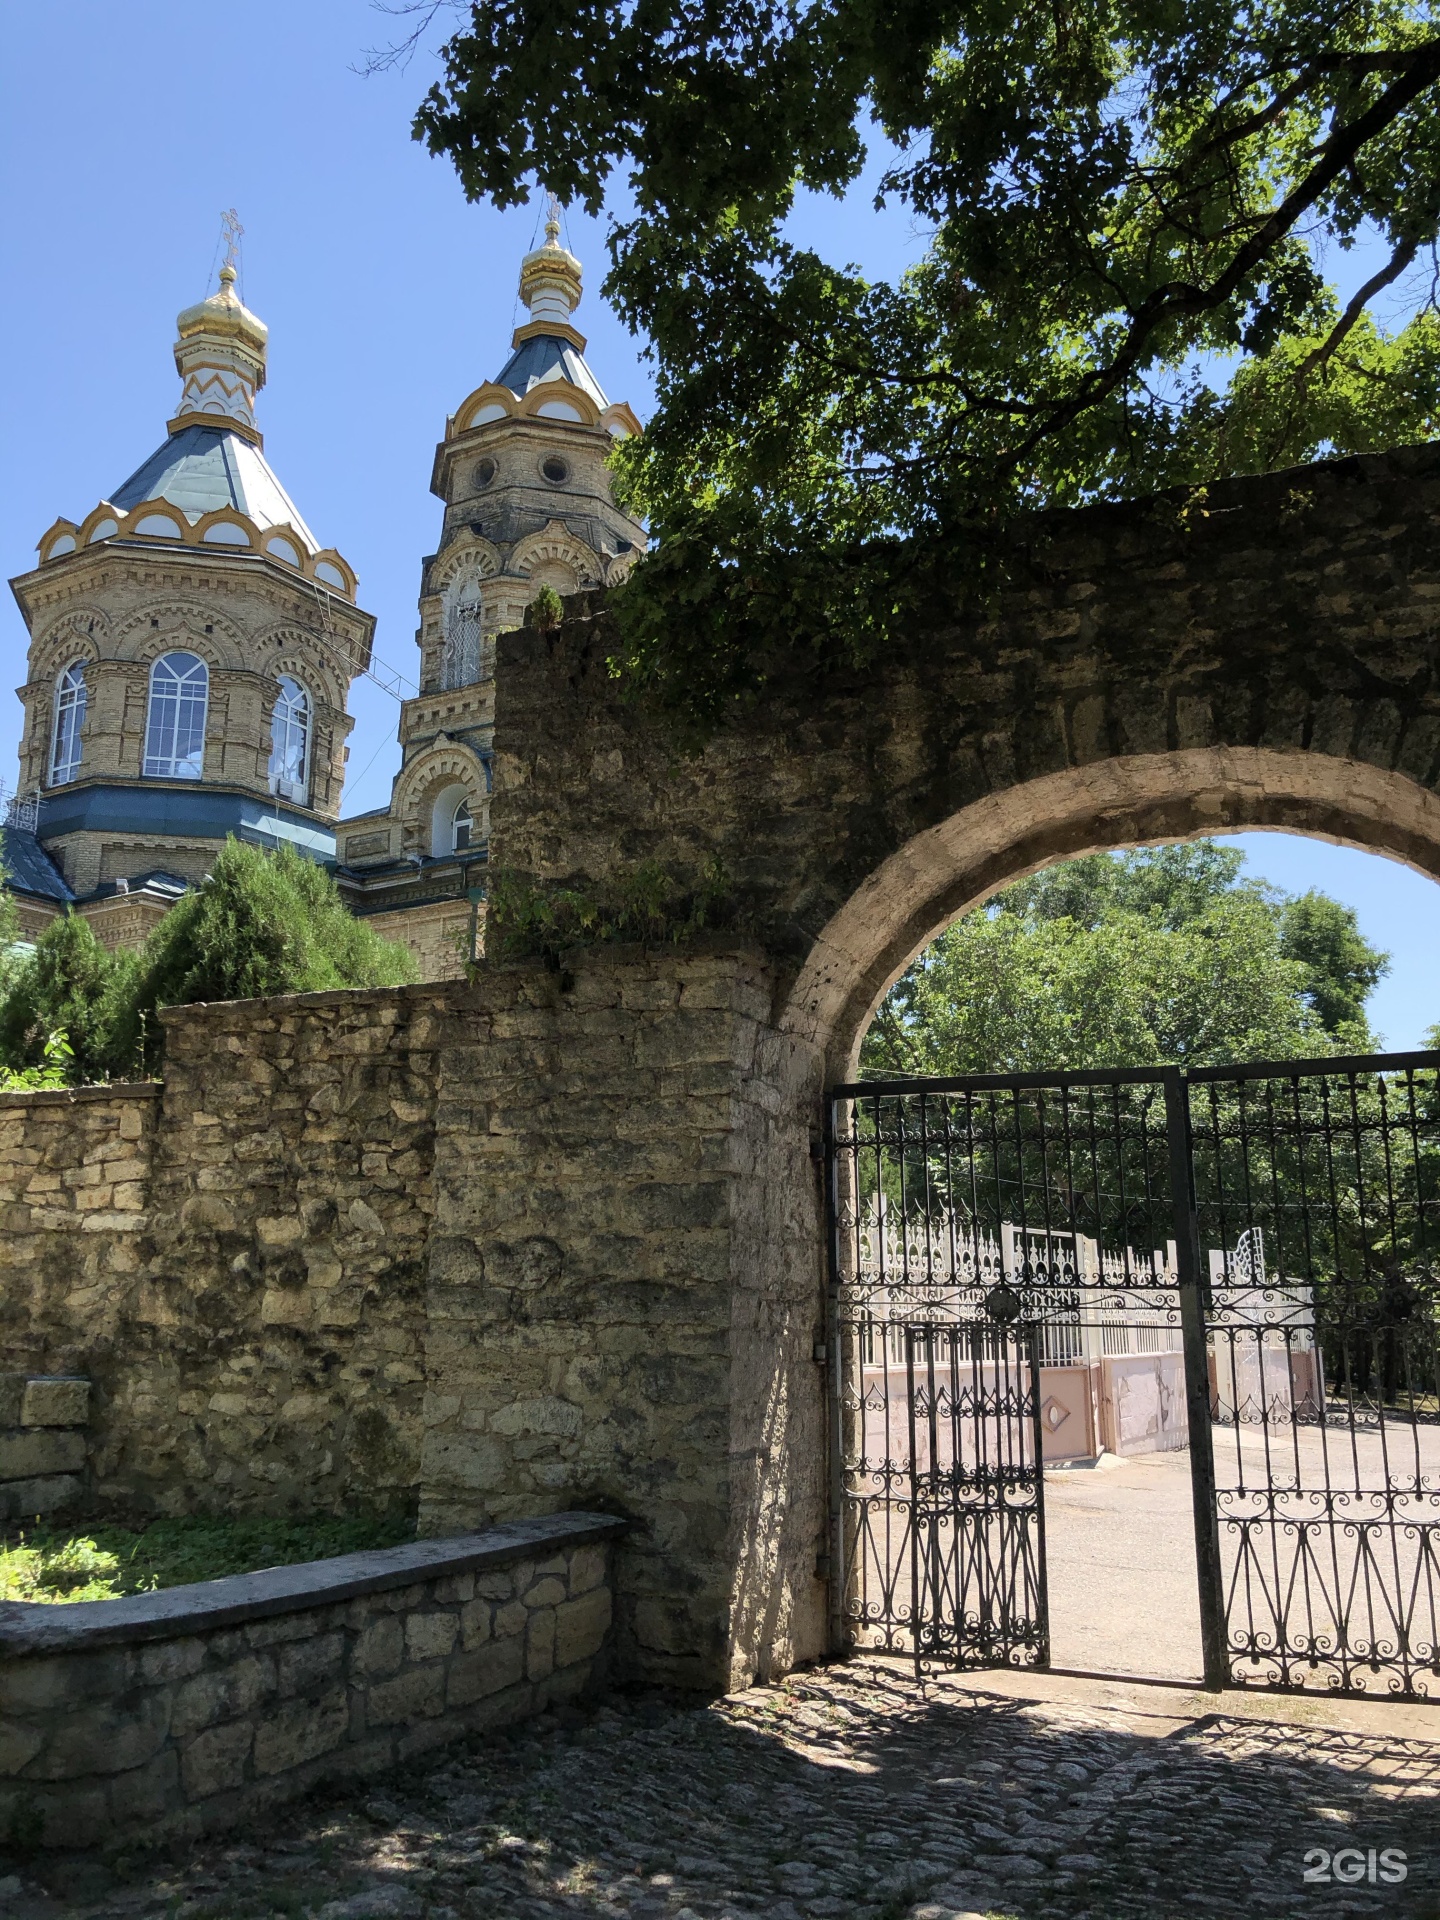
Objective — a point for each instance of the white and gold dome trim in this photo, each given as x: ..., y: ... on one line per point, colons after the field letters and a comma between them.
x: 551, y: 400
x: 158, y: 521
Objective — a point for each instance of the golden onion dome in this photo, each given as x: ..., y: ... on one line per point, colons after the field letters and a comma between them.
x: 225, y: 315
x: 550, y: 278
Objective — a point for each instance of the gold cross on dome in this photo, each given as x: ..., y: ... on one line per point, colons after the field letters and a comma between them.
x: 232, y: 229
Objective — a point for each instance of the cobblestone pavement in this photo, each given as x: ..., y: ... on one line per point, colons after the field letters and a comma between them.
x: 845, y: 1794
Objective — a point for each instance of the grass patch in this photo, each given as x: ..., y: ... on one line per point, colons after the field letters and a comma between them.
x: 56, y: 1564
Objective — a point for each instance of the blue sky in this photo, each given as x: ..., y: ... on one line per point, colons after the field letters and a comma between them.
x: 125, y: 131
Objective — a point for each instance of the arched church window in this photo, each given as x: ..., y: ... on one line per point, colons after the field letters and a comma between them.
x: 70, y: 698
x: 175, y: 723
x: 290, y: 742
x: 464, y: 634
x: 452, y: 822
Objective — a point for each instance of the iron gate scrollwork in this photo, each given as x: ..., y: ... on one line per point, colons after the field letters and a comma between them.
x: 1238, y: 1262
x: 1317, y: 1204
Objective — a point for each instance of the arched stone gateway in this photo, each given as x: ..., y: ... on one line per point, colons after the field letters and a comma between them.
x: 1261, y: 657
x: 1133, y: 800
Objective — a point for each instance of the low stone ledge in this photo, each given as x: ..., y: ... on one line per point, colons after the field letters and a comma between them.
x: 81, y: 1096
x: 190, y: 1710
x: 81, y: 1625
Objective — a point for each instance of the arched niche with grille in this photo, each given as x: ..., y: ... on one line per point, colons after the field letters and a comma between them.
x: 463, y: 652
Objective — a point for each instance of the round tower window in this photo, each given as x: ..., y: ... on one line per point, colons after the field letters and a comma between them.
x: 555, y: 470
x: 484, y: 474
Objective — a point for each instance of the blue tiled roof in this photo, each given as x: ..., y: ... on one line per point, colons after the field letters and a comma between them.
x: 29, y: 868
x: 546, y: 357
x: 201, y: 468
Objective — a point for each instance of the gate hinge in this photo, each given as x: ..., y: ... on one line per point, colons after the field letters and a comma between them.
x: 820, y: 1353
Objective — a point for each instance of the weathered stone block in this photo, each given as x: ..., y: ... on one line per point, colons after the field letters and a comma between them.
x: 548, y: 1592
x: 587, y: 1569
x: 221, y: 1694
x: 75, y: 1817
x: 469, y: 1460
x: 301, y: 1730
x: 146, y: 1793
x: 430, y: 1636
x: 581, y: 1626
x: 416, y: 1694
x: 19, y: 1745
x: 169, y: 1660
x: 49, y: 1684
x: 540, y: 1644
x: 111, y: 1738
x: 12, y: 1397
x: 215, y: 1759
x: 544, y: 1415
x: 24, y: 1499
x: 511, y: 1618
x: 310, y: 1662
x: 474, y: 1623
x: 499, y: 1664
x: 30, y: 1454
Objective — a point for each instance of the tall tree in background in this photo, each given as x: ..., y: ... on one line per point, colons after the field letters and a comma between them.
x: 261, y: 923
x: 1131, y: 213
x: 1131, y: 960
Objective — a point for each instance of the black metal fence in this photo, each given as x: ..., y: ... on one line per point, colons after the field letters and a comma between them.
x: 1321, y: 1184
x: 1240, y: 1261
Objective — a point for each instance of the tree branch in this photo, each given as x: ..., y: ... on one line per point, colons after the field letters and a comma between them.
x: 1178, y: 300
x: 1398, y: 262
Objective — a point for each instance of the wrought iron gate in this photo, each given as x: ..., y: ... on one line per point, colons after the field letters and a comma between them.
x: 1240, y: 1261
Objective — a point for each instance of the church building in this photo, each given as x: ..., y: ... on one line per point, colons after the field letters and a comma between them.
x: 192, y: 644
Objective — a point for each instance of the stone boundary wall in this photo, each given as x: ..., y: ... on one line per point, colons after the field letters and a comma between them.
x: 236, y: 1259
x: 544, y: 1239
x: 189, y: 1710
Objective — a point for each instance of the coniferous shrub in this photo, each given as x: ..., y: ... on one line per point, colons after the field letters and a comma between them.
x: 262, y: 923
x: 69, y: 987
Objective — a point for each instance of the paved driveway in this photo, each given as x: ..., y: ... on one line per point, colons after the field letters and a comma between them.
x: 1120, y: 1558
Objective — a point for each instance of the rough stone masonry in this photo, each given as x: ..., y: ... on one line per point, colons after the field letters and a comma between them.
x: 555, y: 1237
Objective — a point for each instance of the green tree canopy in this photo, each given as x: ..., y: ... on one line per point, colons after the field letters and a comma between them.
x: 1131, y: 213
x: 1342, y: 968
x: 1130, y: 960
x: 69, y: 986
x: 262, y: 923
